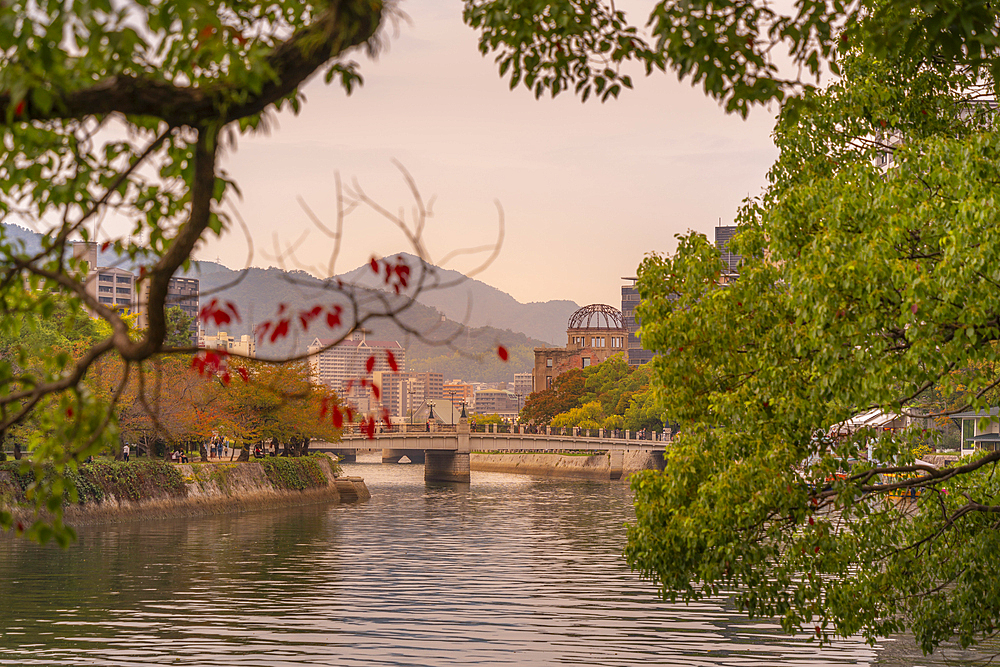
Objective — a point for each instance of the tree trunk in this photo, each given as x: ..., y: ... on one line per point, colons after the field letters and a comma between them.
x: 244, y: 453
x: 17, y: 450
x: 304, y: 450
x: 203, y: 450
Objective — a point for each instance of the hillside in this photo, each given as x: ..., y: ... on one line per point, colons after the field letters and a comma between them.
x: 467, y: 351
x: 477, y: 304
x: 259, y: 293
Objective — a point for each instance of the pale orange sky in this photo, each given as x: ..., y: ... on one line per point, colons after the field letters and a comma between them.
x: 587, y: 189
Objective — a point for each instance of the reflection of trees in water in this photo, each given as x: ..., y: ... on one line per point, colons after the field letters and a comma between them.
x: 124, y: 566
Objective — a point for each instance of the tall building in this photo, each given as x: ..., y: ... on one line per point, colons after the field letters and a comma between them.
x: 403, y: 392
x: 495, y: 402
x: 111, y: 286
x: 524, y: 384
x: 637, y: 355
x: 723, y: 235
x: 185, y: 293
x: 630, y: 299
x: 345, y: 361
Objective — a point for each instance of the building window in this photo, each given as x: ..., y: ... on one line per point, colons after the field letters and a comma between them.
x: 106, y: 299
x: 124, y: 290
x: 106, y: 279
x: 548, y: 363
x: 586, y: 361
x: 548, y: 382
x: 125, y: 279
x: 105, y: 288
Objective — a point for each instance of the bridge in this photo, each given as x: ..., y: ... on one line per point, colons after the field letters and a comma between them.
x: 445, y: 454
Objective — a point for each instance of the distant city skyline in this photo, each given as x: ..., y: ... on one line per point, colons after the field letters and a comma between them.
x: 587, y: 189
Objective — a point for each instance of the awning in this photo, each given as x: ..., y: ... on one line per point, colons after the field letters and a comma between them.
x: 987, y: 437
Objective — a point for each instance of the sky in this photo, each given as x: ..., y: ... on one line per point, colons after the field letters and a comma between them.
x: 587, y: 190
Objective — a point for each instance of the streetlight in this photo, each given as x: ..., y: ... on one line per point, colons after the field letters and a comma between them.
x: 451, y: 399
x: 409, y: 401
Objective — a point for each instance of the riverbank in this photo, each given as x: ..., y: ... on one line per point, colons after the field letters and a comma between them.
x: 145, y: 489
x: 571, y: 466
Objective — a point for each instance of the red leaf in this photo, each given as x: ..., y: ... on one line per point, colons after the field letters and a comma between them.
x: 105, y: 245
x: 502, y: 353
x: 282, y: 307
x: 374, y: 264
x: 338, y: 418
x: 206, y: 311
x: 232, y: 308
x: 369, y: 428
x: 391, y: 358
x: 69, y: 412
x: 262, y: 329
x: 376, y: 392
x: 333, y: 317
x: 322, y: 407
x: 280, y: 331
x: 349, y: 413
x: 19, y: 109
x: 370, y: 364
x: 221, y: 317
x: 225, y: 378
x: 304, y: 321
x: 386, y: 417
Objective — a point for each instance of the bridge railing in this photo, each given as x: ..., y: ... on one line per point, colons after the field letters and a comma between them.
x: 509, y: 429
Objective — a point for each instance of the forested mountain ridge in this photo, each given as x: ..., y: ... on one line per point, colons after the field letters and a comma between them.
x: 470, y: 352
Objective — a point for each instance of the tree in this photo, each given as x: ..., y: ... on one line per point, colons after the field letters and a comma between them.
x: 870, y: 275
x: 178, y: 333
x: 126, y: 108
x: 541, y: 406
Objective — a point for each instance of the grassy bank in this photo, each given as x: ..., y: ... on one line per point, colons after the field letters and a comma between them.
x: 153, y: 479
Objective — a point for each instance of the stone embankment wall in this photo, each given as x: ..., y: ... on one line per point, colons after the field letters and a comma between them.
x: 594, y: 466
x: 143, y: 489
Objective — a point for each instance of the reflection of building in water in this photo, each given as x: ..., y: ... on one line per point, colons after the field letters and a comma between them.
x: 594, y: 333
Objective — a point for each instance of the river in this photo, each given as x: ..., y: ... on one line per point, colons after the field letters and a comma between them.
x: 509, y: 570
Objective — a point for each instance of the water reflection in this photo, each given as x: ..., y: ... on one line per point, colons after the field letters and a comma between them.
x: 511, y: 570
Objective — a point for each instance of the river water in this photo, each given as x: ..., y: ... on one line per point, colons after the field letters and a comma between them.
x: 509, y: 570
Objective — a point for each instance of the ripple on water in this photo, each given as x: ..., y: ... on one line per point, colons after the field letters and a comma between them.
x: 508, y: 571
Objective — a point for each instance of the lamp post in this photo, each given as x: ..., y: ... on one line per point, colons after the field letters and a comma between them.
x: 430, y: 413
x: 409, y: 399
x: 451, y: 399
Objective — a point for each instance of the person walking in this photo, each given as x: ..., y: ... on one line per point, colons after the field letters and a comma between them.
x: 125, y: 450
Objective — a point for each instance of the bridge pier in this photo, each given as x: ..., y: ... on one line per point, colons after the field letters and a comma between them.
x: 617, y: 463
x: 445, y: 466
x: 393, y: 455
x: 346, y: 456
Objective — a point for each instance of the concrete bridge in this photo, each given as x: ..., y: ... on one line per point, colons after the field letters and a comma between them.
x: 445, y: 454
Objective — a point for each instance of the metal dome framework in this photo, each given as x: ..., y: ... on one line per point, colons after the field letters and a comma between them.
x: 589, y: 317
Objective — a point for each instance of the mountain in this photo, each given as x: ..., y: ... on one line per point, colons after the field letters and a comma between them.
x: 461, y: 321
x: 442, y: 344
x: 477, y: 304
